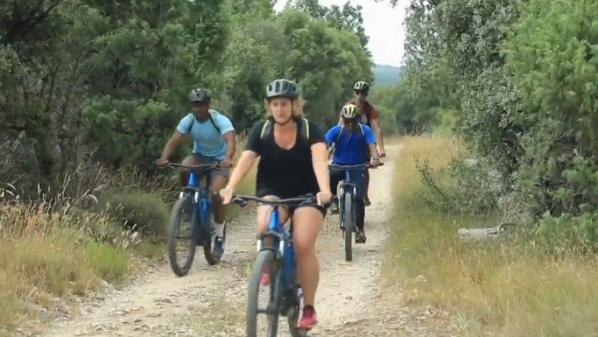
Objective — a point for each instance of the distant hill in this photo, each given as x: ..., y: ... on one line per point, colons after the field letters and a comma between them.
x: 386, y: 75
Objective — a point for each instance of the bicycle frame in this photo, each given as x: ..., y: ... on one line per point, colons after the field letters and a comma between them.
x: 346, y: 184
x: 348, y: 169
x: 285, y: 285
x: 282, y: 244
x: 201, y: 195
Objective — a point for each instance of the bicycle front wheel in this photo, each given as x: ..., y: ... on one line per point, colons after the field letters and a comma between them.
x: 262, y: 311
x: 182, y: 236
x: 349, y: 223
x: 212, y: 250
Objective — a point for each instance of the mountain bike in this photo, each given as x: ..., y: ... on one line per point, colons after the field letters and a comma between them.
x: 191, y: 221
x: 347, y: 196
x: 282, y: 296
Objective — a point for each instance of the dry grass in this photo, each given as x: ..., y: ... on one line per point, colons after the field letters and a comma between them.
x: 494, y: 289
x: 46, y: 253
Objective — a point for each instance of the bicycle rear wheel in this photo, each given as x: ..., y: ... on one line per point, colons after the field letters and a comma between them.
x: 181, y: 241
x: 262, y: 313
x: 349, y: 223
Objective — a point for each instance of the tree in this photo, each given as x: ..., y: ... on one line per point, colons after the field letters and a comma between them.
x: 325, y: 62
x: 556, y: 72
x: 146, y: 60
x: 90, y: 81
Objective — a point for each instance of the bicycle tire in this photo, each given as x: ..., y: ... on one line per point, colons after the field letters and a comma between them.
x: 264, y: 258
x: 176, y: 215
x: 348, y: 221
x: 211, y: 256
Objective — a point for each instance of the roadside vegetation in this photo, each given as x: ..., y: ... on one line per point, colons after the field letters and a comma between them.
x: 515, y: 286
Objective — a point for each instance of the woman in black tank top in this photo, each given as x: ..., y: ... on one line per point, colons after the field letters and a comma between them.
x: 293, y: 162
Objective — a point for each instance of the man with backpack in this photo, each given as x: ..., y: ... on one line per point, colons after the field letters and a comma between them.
x: 213, y: 142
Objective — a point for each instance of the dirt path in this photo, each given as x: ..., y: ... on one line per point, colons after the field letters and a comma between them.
x: 210, y: 301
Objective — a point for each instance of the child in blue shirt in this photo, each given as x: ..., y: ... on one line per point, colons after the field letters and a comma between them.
x: 354, y: 143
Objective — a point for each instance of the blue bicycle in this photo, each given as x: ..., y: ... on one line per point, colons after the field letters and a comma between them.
x: 191, y: 222
x: 347, y: 197
x: 281, y: 295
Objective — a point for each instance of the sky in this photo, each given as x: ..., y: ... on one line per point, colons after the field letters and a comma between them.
x: 383, y: 24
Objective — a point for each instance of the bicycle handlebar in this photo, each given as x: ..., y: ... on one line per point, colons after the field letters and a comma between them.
x: 194, y: 167
x: 348, y: 167
x: 242, y: 200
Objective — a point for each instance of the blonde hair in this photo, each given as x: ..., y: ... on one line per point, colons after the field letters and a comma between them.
x: 298, y: 103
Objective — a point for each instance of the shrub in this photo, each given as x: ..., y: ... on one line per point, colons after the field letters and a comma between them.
x: 109, y: 262
x: 566, y: 233
x: 138, y: 211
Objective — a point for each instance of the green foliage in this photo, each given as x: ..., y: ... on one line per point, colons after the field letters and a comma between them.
x: 387, y: 75
x: 143, y: 68
x: 109, y: 262
x: 89, y: 80
x: 347, y: 17
x: 556, y: 72
x: 567, y: 233
x: 138, y: 211
x: 325, y: 62
x: 255, y: 58
x: 421, y: 100
x: 115, y: 122
x: 323, y: 58
x: 520, y: 79
x: 84, y: 75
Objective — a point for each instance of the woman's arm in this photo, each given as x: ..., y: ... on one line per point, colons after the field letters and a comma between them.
x: 320, y: 163
x: 239, y: 173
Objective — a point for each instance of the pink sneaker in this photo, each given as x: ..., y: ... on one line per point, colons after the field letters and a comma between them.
x: 309, y: 318
x: 265, y: 280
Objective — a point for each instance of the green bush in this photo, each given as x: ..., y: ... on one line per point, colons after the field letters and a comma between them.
x: 466, y: 186
x: 554, y: 66
x: 138, y: 211
x: 110, y: 263
x: 567, y: 233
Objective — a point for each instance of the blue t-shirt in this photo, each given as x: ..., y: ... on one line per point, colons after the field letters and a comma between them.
x: 207, y: 141
x: 351, y: 148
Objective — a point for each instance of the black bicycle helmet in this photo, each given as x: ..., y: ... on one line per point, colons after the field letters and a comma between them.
x: 281, y: 88
x: 199, y: 95
x: 361, y: 86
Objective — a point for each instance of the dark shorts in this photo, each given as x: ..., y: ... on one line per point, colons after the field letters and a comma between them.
x: 263, y: 193
x: 197, y: 159
x: 322, y: 209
